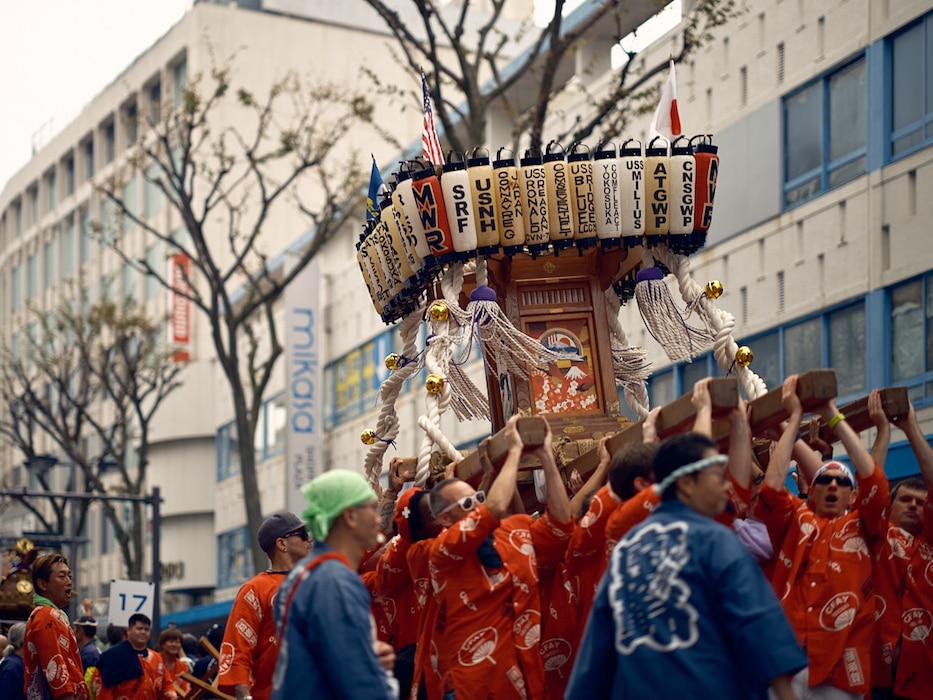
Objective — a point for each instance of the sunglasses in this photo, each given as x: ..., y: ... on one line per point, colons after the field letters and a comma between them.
x: 826, y: 479
x: 300, y: 532
x: 467, y: 502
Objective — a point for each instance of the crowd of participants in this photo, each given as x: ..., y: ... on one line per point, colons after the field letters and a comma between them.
x: 673, y: 572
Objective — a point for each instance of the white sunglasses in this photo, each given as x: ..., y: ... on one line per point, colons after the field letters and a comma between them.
x: 467, y: 502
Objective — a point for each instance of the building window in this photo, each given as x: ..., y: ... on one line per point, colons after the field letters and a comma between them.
x: 131, y: 115
x: 228, y: 452
x: 234, y: 563
x: 50, y: 263
x: 16, y: 293
x: 130, y: 199
x: 69, y: 169
x: 270, y: 432
x: 353, y: 380
x: 34, y: 205
x: 130, y: 282
x: 110, y: 142
x: 825, y: 134
x: 68, y: 247
x: 155, y: 258
x: 18, y: 208
x: 912, y: 335
x: 911, y: 80
x: 767, y: 363
x: 32, y: 277
x: 846, y: 337
x: 85, y: 237
x: 89, y: 158
x: 152, y: 195
x: 661, y: 388
x: 50, y: 183
x: 802, y: 347
x: 180, y: 81
x: 155, y: 102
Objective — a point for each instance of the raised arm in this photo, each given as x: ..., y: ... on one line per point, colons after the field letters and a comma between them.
x: 649, y: 429
x: 858, y: 454
x: 918, y: 443
x: 499, y: 497
x: 808, y: 461
x: 596, y: 480
x: 779, y: 463
x: 703, y: 404
x: 879, y: 450
x: 558, y: 505
x: 740, y: 445
x: 397, y: 479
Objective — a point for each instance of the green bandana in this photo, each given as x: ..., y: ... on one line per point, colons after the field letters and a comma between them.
x: 42, y: 600
x: 328, y: 495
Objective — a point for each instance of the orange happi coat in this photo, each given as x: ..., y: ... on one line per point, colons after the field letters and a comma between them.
x: 823, y: 577
x: 490, y: 616
x: 250, y: 648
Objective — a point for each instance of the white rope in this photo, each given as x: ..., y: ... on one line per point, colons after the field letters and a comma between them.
x: 387, y: 427
x: 720, y: 322
x: 438, y: 437
x: 482, y: 273
x: 629, y: 363
x: 437, y: 361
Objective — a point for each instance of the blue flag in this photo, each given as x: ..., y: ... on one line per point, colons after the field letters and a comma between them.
x: 375, y: 187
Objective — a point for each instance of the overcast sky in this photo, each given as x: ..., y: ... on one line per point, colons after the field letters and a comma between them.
x: 56, y: 55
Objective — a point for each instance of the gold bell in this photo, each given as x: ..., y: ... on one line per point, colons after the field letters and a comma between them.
x: 744, y: 356
x: 434, y: 384
x: 368, y: 437
x: 439, y: 311
x: 714, y: 289
x: 392, y: 361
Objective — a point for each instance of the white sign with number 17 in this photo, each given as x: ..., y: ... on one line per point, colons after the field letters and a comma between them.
x: 128, y: 598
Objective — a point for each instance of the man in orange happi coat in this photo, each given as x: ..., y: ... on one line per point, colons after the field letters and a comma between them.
x: 131, y: 670
x: 485, y: 570
x: 52, y: 662
x: 902, y: 653
x: 825, y: 554
x: 250, y: 648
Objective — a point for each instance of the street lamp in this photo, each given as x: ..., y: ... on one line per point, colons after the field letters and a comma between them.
x: 42, y: 463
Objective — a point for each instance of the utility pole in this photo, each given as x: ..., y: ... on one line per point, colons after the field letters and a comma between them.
x: 154, y: 500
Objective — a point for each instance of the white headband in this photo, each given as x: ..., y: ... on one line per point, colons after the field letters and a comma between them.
x: 662, y: 486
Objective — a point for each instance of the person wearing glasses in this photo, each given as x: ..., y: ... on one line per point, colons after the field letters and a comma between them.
x: 329, y: 649
x: 250, y: 648
x: 826, y: 548
x: 485, y: 578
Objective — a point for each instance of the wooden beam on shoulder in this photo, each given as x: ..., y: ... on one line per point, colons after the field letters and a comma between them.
x: 675, y: 417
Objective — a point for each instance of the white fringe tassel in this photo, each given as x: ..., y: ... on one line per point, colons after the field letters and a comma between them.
x: 720, y: 322
x: 630, y: 363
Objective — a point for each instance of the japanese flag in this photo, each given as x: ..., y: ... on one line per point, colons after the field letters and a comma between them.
x: 666, y: 119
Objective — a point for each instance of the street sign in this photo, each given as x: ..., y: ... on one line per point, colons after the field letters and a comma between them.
x: 128, y: 598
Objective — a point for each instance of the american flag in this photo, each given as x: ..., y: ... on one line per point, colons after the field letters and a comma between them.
x: 429, y: 142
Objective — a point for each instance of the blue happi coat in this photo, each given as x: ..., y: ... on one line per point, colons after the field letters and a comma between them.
x: 683, y: 611
x: 327, y: 650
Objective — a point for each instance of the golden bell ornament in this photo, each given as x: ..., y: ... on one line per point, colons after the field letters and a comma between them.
x: 744, y: 356
x: 714, y: 289
x: 392, y: 361
x: 434, y: 384
x: 368, y: 437
x: 439, y: 311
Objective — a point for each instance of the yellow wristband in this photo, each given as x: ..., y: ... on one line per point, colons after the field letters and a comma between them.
x: 835, y: 420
